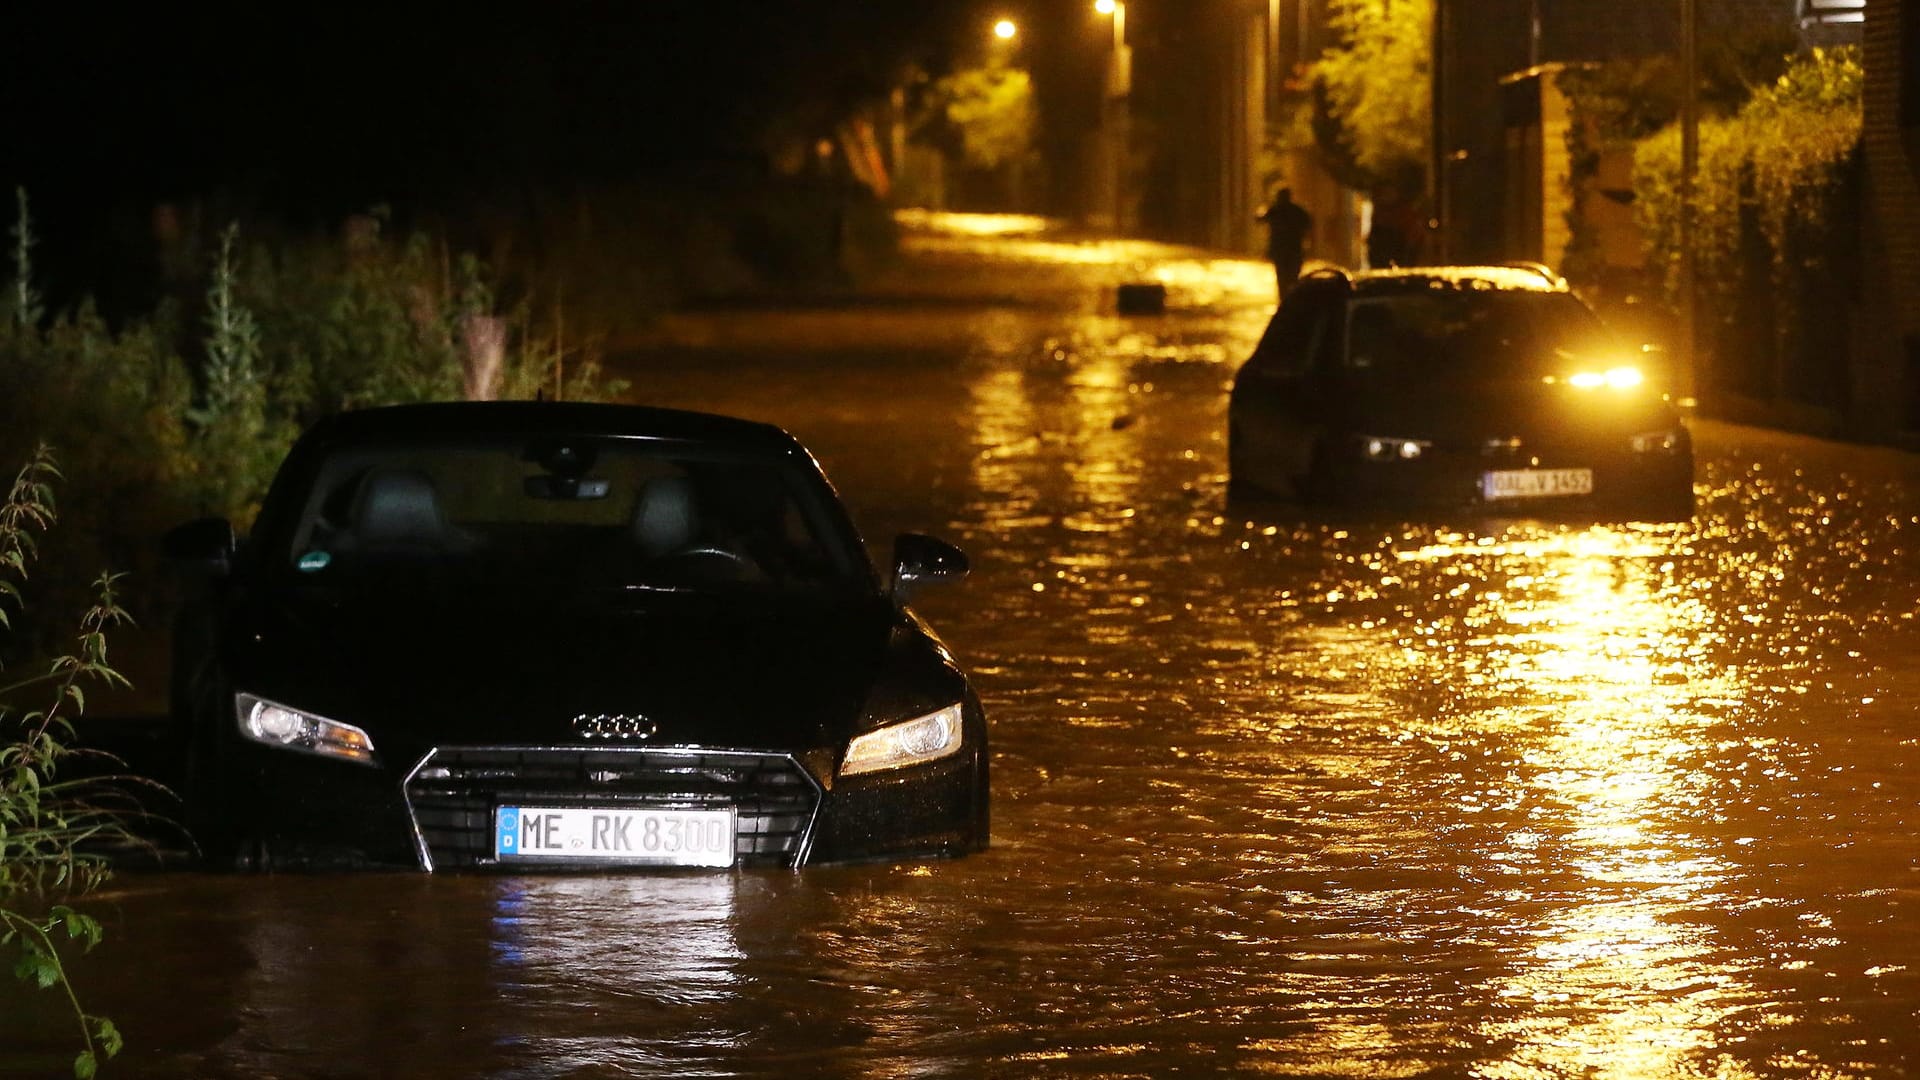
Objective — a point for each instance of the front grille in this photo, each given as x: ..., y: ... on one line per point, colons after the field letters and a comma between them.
x: 452, y: 794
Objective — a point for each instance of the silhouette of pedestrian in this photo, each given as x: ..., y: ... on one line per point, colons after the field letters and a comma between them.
x: 1288, y: 227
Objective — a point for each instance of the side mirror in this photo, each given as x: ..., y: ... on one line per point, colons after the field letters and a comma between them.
x: 205, y: 543
x: 923, y: 560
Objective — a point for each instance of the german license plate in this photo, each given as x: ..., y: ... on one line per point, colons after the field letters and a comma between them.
x: 1535, y: 483
x: 643, y: 837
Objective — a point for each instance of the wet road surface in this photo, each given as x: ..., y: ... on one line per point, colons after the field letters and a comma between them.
x: 1272, y: 796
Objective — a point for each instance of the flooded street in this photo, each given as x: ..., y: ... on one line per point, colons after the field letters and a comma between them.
x: 1326, y: 797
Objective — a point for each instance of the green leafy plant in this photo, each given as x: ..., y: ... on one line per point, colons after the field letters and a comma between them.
x: 27, y: 311
x: 1616, y: 104
x: 1770, y: 191
x: 989, y: 112
x: 115, y: 401
x: 188, y: 410
x: 375, y: 321
x: 53, y: 823
x: 234, y: 436
x: 1373, y: 112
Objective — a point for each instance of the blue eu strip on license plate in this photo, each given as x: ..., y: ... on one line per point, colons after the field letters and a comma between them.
x: 649, y: 837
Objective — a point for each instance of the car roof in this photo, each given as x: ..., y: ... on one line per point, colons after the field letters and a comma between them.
x: 1518, y: 277
x: 441, y: 419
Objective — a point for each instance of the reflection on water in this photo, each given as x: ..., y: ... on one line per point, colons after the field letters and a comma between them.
x: 1276, y: 796
x: 549, y: 930
x: 609, y: 947
x: 937, y: 223
x: 1621, y: 977
x: 1506, y: 794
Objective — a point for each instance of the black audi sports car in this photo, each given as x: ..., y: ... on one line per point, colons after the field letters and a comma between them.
x: 1487, y: 388
x: 544, y: 635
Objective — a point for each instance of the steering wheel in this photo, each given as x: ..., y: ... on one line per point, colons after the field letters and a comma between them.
x: 733, y: 557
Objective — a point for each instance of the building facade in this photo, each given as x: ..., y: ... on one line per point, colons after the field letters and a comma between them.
x: 1886, y: 347
x: 1212, y: 83
x: 1483, y: 48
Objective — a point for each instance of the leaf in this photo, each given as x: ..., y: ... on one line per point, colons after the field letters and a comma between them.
x: 84, y: 1065
x: 106, y: 1035
x: 35, y: 965
x: 79, y: 926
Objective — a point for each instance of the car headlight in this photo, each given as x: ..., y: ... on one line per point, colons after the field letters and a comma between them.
x: 1665, y: 441
x: 1620, y: 378
x: 274, y: 724
x: 1383, y: 448
x: 910, y: 742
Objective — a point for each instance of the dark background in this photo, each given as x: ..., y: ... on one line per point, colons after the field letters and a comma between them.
x: 302, y: 114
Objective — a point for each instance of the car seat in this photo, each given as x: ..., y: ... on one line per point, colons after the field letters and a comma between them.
x: 398, y: 510
x: 665, y: 519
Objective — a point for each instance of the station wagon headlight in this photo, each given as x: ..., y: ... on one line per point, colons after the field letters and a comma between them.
x: 910, y: 742
x: 278, y: 725
x: 1382, y: 448
x: 1619, y: 378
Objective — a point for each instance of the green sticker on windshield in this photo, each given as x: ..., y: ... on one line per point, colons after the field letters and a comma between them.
x: 314, y: 560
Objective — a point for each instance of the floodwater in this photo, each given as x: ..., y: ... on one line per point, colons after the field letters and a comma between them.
x: 1274, y: 797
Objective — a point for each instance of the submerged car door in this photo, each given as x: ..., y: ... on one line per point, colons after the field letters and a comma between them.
x: 1280, y: 397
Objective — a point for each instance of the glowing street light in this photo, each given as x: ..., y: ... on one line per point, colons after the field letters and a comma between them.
x: 1115, y: 113
x: 1004, y: 29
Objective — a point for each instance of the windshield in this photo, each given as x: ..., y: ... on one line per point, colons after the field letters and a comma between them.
x: 1475, y: 334
x: 573, y: 512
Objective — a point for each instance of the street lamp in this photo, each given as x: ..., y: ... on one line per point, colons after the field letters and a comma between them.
x: 1114, y: 111
x: 1005, y: 29
x: 1689, y: 176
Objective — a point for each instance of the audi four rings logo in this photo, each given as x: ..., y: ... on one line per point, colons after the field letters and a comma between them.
x: 601, y: 726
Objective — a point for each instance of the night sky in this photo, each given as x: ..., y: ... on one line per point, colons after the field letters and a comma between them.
x: 318, y: 107
x: 297, y: 115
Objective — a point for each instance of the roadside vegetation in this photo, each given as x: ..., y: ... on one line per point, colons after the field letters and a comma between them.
x: 180, y: 412
x: 1777, y: 193
x: 1775, y: 224
x: 185, y: 410
x: 1372, y: 112
x: 984, y: 120
x: 60, y: 806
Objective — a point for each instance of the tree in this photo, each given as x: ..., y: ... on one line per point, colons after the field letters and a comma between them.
x: 989, y: 111
x: 1372, y: 91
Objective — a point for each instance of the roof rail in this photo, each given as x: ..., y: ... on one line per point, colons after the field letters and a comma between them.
x: 1539, y: 268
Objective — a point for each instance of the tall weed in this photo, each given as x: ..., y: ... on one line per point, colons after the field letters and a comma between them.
x: 54, y: 819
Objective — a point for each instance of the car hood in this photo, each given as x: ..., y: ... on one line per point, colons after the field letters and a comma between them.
x: 753, y: 672
x: 1462, y: 411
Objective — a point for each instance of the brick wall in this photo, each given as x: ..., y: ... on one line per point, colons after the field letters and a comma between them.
x: 1887, y: 352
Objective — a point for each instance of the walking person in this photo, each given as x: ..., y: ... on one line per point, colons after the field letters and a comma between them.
x: 1288, y: 227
